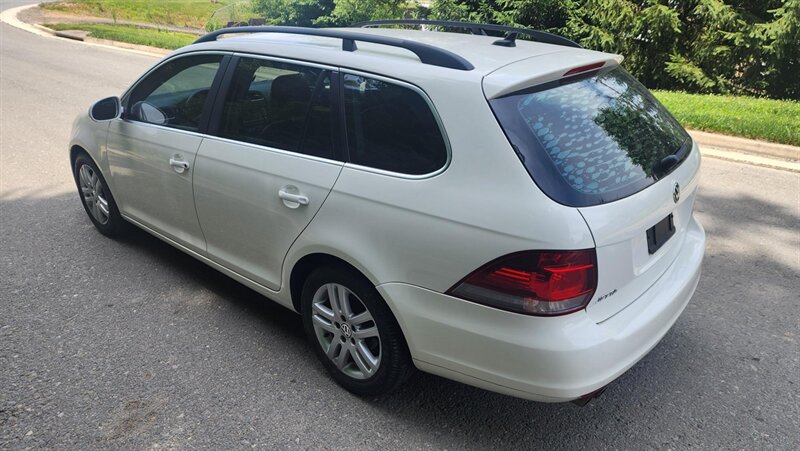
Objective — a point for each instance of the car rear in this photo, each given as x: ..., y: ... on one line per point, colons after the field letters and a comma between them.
x: 565, y: 322
x: 595, y: 139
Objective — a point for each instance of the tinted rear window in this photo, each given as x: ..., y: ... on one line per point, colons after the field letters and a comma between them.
x: 593, y: 139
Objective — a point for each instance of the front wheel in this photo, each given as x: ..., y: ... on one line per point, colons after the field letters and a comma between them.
x: 353, y: 332
x: 96, y: 197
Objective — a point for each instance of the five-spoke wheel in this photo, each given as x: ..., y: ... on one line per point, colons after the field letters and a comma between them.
x: 96, y: 197
x: 354, y: 332
x: 346, y: 331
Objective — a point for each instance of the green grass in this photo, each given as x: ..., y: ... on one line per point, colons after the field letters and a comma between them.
x: 766, y: 119
x: 182, y: 13
x: 142, y: 36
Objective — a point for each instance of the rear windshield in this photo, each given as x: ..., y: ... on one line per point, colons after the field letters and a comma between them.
x: 592, y: 139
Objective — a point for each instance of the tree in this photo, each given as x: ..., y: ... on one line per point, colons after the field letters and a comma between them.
x: 547, y: 15
x: 717, y: 46
x: 348, y: 12
x: 780, y: 41
x: 301, y: 13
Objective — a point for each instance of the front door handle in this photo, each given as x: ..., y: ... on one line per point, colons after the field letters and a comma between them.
x: 292, y: 197
x: 179, y: 165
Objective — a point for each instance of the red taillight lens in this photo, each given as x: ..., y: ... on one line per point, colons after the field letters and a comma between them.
x: 534, y: 282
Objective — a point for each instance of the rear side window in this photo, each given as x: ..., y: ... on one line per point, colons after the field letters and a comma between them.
x: 280, y: 105
x: 594, y: 139
x: 391, y: 127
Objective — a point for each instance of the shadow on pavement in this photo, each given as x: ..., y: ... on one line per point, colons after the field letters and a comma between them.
x: 684, y: 391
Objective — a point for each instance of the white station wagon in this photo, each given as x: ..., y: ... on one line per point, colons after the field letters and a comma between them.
x: 514, y: 215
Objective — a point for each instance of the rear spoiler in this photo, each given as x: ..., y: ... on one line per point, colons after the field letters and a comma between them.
x: 545, y: 68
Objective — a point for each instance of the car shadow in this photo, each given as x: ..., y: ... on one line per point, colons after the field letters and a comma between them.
x: 680, y: 378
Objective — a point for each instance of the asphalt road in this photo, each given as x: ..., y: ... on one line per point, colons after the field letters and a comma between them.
x: 132, y: 344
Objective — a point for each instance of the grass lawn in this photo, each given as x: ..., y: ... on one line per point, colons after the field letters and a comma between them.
x: 142, y: 36
x: 766, y: 119
x: 182, y: 13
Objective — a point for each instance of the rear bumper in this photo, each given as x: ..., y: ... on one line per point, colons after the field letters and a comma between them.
x: 543, y: 359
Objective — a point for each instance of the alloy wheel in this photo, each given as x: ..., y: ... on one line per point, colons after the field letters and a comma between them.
x: 346, y: 331
x: 94, y: 193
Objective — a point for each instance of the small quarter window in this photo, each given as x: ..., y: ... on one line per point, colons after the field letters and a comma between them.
x: 175, y: 94
x: 280, y: 105
x: 391, y: 127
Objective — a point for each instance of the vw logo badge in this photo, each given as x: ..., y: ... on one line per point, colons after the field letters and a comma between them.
x: 346, y: 330
x: 676, y: 192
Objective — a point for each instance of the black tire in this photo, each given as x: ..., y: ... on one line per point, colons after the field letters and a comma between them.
x: 395, y: 364
x: 115, y: 225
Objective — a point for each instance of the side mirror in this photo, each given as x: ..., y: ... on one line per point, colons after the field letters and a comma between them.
x: 145, y: 112
x: 106, y: 109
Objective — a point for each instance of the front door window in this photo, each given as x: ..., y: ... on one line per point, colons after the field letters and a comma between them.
x: 175, y: 94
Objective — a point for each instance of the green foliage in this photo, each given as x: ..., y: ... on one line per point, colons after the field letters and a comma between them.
x: 631, y: 121
x: 548, y: 15
x: 450, y: 10
x: 348, y: 12
x: 766, y: 119
x: 646, y: 33
x: 747, y: 47
x: 717, y: 46
x: 133, y: 35
x: 687, y: 75
x: 182, y: 13
x: 302, y: 13
x: 781, y: 48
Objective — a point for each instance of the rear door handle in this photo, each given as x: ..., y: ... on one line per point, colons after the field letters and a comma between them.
x: 288, y: 196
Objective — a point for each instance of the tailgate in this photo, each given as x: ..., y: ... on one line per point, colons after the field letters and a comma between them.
x: 626, y: 268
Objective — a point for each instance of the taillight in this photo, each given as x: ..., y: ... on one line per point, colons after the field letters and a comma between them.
x: 544, y: 283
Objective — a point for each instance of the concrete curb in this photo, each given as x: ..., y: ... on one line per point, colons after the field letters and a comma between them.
x: 753, y: 160
x: 9, y: 16
x: 752, y: 146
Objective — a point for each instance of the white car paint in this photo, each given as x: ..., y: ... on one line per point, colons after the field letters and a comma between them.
x: 414, y: 237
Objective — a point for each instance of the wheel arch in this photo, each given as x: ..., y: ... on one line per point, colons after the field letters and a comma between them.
x: 307, y: 264
x: 75, y: 150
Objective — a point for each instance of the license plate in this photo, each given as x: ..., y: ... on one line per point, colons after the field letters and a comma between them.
x: 659, y: 234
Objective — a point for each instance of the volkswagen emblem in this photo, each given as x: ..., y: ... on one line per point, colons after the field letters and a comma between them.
x: 676, y: 192
x: 346, y: 330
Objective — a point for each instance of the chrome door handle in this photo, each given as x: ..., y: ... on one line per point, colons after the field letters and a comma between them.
x: 178, y: 165
x: 292, y: 197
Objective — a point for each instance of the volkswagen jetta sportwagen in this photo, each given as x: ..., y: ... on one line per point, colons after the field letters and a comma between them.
x: 515, y: 215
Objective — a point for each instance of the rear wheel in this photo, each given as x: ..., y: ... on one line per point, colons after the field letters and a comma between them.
x: 96, y: 197
x: 353, y: 332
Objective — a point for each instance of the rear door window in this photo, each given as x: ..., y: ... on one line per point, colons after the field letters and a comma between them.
x: 280, y: 105
x: 391, y: 127
x: 592, y: 139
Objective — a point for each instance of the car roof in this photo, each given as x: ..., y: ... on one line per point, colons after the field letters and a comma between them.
x: 395, y: 61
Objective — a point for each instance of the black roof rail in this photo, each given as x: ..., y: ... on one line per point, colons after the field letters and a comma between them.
x: 427, y: 54
x: 480, y: 28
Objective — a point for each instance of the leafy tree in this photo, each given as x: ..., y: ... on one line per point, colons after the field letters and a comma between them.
x: 301, y: 13
x: 348, y: 12
x: 717, y: 46
x: 548, y: 15
x: 483, y: 11
x: 780, y: 41
x: 645, y: 32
